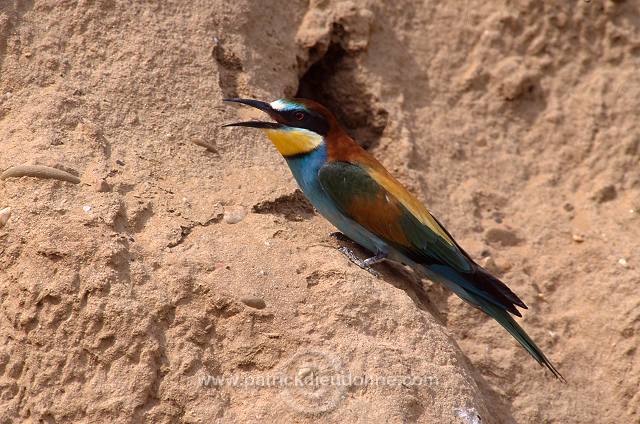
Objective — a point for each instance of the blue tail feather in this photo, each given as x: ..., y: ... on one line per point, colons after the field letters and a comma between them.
x: 509, y: 324
x: 492, y: 306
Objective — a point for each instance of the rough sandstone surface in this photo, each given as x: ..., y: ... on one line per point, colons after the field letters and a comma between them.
x: 185, y: 250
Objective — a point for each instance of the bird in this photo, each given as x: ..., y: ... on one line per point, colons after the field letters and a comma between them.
x: 355, y: 193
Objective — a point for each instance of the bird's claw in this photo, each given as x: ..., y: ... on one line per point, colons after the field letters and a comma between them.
x: 364, y: 264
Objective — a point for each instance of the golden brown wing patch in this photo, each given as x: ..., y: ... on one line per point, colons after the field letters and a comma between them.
x: 342, y: 148
x: 381, y: 215
x: 393, y: 186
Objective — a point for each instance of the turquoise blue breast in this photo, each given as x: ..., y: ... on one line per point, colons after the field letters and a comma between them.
x: 305, y: 170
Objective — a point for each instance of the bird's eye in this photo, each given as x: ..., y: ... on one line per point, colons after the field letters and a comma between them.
x: 299, y: 116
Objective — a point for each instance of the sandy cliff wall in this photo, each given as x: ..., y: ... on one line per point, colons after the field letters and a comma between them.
x: 186, y: 252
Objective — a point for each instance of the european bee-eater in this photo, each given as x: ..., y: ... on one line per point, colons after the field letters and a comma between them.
x: 351, y: 189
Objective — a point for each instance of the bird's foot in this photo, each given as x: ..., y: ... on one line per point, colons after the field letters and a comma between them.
x: 366, y: 263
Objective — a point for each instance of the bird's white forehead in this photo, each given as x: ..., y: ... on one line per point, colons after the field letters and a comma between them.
x: 282, y: 104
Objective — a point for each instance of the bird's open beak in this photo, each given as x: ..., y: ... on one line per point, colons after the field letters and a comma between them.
x: 263, y: 106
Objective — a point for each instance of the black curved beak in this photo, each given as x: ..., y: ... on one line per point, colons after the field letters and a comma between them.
x: 263, y: 106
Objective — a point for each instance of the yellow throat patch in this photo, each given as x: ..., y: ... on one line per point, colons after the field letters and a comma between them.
x: 293, y: 141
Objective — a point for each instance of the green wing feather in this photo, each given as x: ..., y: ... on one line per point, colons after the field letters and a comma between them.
x: 361, y: 197
x: 367, y: 202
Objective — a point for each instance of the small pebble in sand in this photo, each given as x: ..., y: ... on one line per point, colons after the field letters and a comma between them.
x: 102, y: 186
x: 235, y: 215
x: 86, y: 209
x: 5, y: 214
x: 577, y: 238
x: 489, y: 264
x: 468, y: 415
x: 253, y: 302
x: 495, y: 265
x: 503, y: 264
x: 623, y: 262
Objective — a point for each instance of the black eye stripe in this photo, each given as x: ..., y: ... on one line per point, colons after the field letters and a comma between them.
x: 310, y: 121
